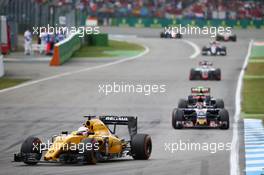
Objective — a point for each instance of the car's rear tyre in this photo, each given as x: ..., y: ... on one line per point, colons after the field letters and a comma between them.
x: 191, y: 100
x: 224, y: 118
x: 218, y: 74
x: 210, y: 75
x: 218, y: 38
x: 192, y: 74
x: 224, y: 50
x: 141, y: 146
x: 167, y: 35
x: 204, y: 51
x: 178, y: 35
x: 234, y: 38
x: 219, y: 103
x: 88, y: 150
x: 183, y: 103
x: 177, y: 118
x: 32, y: 145
x: 208, y: 100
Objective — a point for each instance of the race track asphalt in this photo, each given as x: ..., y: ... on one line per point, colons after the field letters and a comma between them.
x: 46, y: 108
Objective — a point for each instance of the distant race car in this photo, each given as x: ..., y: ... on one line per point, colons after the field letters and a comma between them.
x: 92, y: 142
x: 169, y: 33
x: 205, y: 71
x: 201, y: 94
x: 200, y: 116
x: 214, y: 49
x: 226, y: 37
x: 200, y: 110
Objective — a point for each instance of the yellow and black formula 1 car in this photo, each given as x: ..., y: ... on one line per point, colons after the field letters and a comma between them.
x: 93, y: 142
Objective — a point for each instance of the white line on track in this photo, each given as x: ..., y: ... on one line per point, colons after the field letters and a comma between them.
x: 76, y: 72
x: 255, y: 169
x: 251, y: 136
x: 254, y: 150
x: 254, y: 139
x: 254, y: 142
x: 234, y: 155
x: 249, y: 162
x: 254, y: 146
x: 254, y: 129
x: 43, y: 59
x: 252, y: 133
x: 254, y: 155
x: 197, y: 50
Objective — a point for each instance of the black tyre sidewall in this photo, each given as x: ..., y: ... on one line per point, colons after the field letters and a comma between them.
x: 177, y: 118
x: 224, y: 117
x: 218, y: 74
x: 173, y: 119
x: 219, y: 103
x: 28, y: 147
x: 183, y: 103
x: 141, y: 146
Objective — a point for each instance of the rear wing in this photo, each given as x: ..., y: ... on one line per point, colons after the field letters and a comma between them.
x: 202, y: 90
x: 205, y: 63
x: 130, y: 121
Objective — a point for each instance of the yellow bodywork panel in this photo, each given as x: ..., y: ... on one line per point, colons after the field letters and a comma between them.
x: 100, y: 132
x: 201, y: 121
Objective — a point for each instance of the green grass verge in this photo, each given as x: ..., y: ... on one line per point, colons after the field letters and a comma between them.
x: 253, y: 96
x: 257, y: 52
x: 253, y: 89
x: 255, y: 68
x: 9, y: 82
x: 255, y: 116
x: 115, y: 48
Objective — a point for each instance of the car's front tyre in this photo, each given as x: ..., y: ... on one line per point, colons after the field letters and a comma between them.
x: 177, y: 118
x: 31, y: 147
x: 88, y: 150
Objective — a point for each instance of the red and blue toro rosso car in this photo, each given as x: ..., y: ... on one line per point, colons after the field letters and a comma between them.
x: 200, y: 110
x: 202, y: 95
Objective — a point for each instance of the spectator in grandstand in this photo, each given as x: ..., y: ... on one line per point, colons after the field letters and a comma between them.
x: 218, y: 9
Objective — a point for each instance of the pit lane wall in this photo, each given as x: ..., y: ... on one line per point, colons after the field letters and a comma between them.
x: 64, y: 50
x: 160, y: 22
x: 2, y: 71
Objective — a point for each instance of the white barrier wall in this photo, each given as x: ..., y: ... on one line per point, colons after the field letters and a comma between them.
x: 2, y: 71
